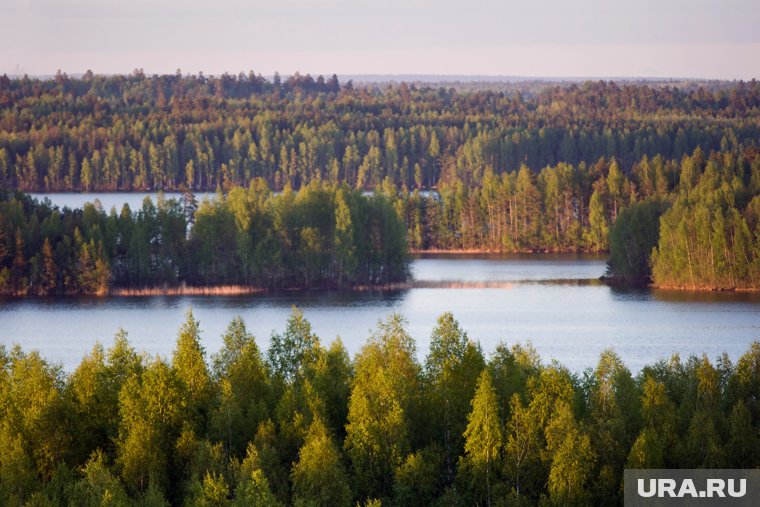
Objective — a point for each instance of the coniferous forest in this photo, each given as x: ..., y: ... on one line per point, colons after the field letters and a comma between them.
x: 304, y: 424
x: 665, y: 178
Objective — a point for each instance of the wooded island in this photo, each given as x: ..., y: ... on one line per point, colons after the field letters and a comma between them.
x: 664, y: 177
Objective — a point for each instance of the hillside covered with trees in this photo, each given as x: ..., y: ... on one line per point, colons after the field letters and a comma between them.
x: 305, y: 424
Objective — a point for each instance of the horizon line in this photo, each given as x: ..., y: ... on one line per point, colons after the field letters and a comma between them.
x: 401, y: 77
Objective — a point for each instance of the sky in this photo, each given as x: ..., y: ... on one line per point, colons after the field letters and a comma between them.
x: 712, y: 39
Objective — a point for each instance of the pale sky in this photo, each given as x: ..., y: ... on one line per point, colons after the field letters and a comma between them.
x: 537, y: 38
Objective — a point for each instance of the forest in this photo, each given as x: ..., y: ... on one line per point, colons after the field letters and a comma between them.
x: 322, y: 236
x: 303, y: 423
x: 663, y: 177
x: 703, y: 234
x: 138, y: 132
x: 692, y: 223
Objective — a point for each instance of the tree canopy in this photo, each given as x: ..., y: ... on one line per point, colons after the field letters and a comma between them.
x: 129, y: 429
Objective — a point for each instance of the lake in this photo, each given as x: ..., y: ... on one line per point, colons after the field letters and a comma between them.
x: 110, y: 200
x: 552, y: 301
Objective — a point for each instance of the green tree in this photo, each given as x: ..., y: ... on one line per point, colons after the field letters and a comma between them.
x: 614, y: 408
x: 595, y: 236
x: 451, y: 371
x: 483, y: 438
x: 252, y: 485
x: 98, y: 486
x: 213, y: 492
x: 615, y: 183
x: 632, y: 237
x: 319, y: 478
x: 18, y: 477
x: 743, y: 447
x: 293, y: 353
x: 344, y: 249
x: 49, y: 270
x: 244, y: 388
x: 572, y: 458
x: 255, y: 491
x: 522, y: 448
x: 189, y: 365
x: 417, y: 481
x: 332, y: 384
x: 151, y: 408
x: 383, y: 394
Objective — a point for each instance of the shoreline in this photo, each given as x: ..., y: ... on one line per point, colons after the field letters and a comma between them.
x: 186, y: 290
x: 486, y: 251
x: 246, y: 290
x: 647, y: 283
x: 243, y: 290
x: 704, y: 290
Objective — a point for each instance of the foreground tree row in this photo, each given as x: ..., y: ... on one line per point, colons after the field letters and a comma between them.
x: 321, y: 236
x: 304, y: 424
x: 135, y: 132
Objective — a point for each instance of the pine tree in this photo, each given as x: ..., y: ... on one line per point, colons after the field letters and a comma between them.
x: 49, y: 269
x: 19, y: 265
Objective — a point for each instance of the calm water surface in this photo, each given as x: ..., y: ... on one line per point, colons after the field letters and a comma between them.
x: 552, y: 301
x: 110, y: 200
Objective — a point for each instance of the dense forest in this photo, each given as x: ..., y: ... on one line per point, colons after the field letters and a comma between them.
x: 704, y: 234
x: 321, y: 236
x: 134, y: 132
x: 304, y: 424
x: 591, y: 167
x: 327, y: 235
x: 330, y: 236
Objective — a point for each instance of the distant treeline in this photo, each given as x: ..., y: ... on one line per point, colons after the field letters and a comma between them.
x: 135, y: 132
x: 321, y: 236
x: 304, y: 424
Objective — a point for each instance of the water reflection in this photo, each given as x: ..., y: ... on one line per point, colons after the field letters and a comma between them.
x: 729, y: 297
x: 556, y: 302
